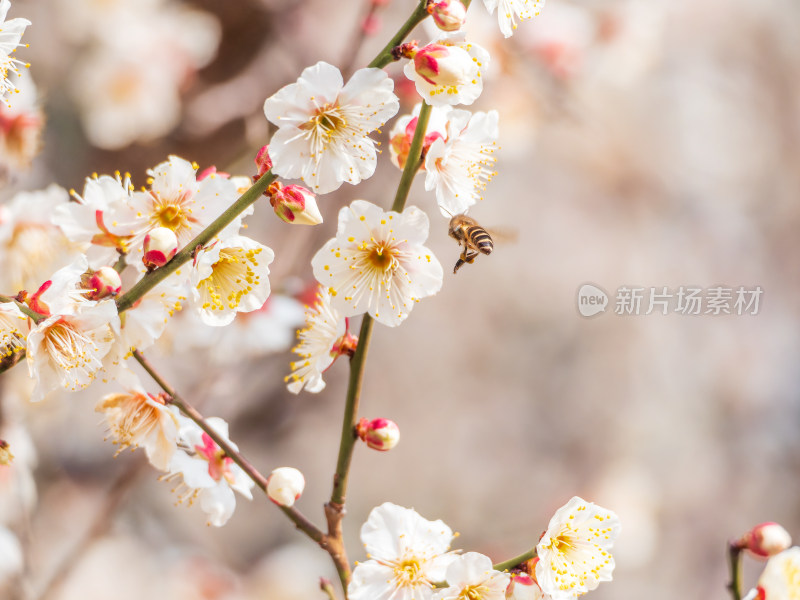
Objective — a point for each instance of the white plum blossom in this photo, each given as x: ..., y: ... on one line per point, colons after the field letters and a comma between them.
x: 93, y: 220
x: 448, y: 71
x: 508, y: 11
x: 230, y: 276
x: 471, y: 577
x: 181, y: 200
x: 207, y: 473
x: 10, y: 37
x: 320, y: 344
x: 136, y: 418
x: 377, y: 263
x: 407, y: 555
x: 66, y: 348
x: 574, y: 552
x: 324, y: 125
x: 31, y: 247
x: 460, y: 166
x: 780, y: 579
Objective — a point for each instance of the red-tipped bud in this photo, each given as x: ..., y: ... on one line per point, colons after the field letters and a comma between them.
x: 294, y: 204
x: 766, y: 539
x: 379, y: 434
x: 449, y: 15
x: 102, y: 283
x: 160, y: 245
x: 443, y: 65
x: 285, y: 485
x: 5, y: 453
x: 263, y: 161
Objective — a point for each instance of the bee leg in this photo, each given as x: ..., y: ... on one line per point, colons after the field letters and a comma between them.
x: 464, y: 258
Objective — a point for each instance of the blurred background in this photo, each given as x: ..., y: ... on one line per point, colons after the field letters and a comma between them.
x: 643, y: 143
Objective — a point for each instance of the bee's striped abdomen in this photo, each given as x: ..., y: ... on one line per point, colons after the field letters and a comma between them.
x: 480, y: 239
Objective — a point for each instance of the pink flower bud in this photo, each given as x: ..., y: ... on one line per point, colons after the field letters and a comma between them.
x: 212, y: 170
x: 766, y: 539
x: 160, y: 245
x: 448, y: 66
x: 379, y: 434
x: 285, y: 485
x: 294, y: 204
x: 263, y: 161
x: 102, y: 283
x: 449, y: 15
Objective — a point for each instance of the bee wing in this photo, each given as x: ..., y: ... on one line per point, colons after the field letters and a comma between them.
x: 504, y: 234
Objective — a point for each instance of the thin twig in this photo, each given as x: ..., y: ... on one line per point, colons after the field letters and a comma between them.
x: 735, y: 564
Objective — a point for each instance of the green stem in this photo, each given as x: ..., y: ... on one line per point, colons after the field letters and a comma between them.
x: 385, y: 56
x: 414, y: 160
x: 302, y: 523
x: 517, y: 560
x: 735, y: 564
x: 35, y: 316
x: 349, y: 437
x: 149, y: 281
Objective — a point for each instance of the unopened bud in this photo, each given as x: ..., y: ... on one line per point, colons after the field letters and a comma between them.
x: 160, y: 245
x: 379, y: 434
x: 449, y: 15
x: 263, y: 161
x: 448, y: 66
x: 285, y: 485
x: 294, y: 204
x: 401, y: 143
x: 102, y: 283
x: 766, y: 539
x: 5, y: 453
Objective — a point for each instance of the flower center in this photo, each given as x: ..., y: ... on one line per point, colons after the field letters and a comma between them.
x: 218, y: 461
x: 408, y: 573
x: 133, y: 417
x: 67, y: 347
x: 327, y: 121
x: 232, y: 277
x: 472, y: 592
x: 172, y: 213
x: 11, y: 340
x: 381, y: 257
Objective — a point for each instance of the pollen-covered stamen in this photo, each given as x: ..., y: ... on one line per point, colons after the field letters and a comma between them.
x: 137, y: 416
x: 232, y: 277
x: 408, y: 573
x: 471, y: 164
x: 332, y: 124
x: 69, y: 348
x: 12, y: 339
x: 174, y: 213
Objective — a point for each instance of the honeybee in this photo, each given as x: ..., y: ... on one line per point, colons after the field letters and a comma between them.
x: 475, y: 239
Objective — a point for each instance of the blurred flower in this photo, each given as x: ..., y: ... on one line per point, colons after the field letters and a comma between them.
x: 407, y: 555
x: 471, y: 577
x: 460, y: 167
x: 573, y: 552
x: 323, y: 125
x: 31, y: 247
x: 207, y: 472
x: 10, y: 36
x: 6, y: 457
x: 319, y: 345
x: 780, y: 579
x: 230, y: 276
x: 12, y: 561
x: 509, y: 11
x: 448, y: 71
x: 21, y: 125
x: 377, y: 263
x: 137, y: 418
x: 285, y: 485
